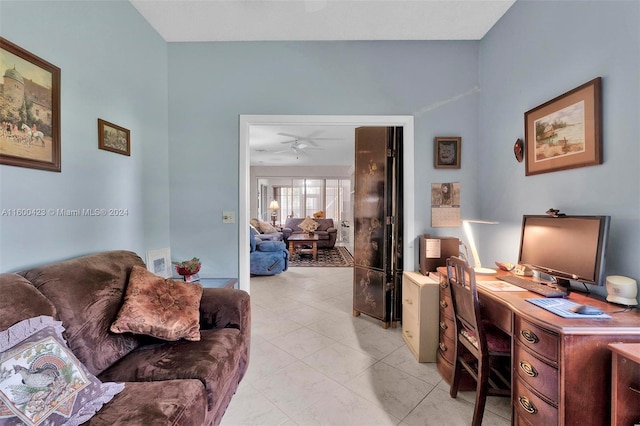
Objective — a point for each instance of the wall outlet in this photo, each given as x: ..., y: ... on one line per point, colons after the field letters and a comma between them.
x: 228, y: 217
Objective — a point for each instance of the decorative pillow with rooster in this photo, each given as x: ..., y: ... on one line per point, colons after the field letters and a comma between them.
x: 41, y: 381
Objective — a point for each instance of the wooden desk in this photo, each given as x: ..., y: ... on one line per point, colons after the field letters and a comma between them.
x: 561, y: 368
x: 625, y: 383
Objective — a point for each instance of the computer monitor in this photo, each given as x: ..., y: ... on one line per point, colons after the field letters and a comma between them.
x: 566, y: 247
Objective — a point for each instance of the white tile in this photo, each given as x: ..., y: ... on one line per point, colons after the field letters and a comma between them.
x: 339, y: 362
x: 351, y: 372
x: 343, y: 408
x: 403, y: 359
x: 295, y: 387
x: 249, y: 407
x: 302, y: 342
x: 266, y: 358
x: 397, y: 392
x: 375, y: 341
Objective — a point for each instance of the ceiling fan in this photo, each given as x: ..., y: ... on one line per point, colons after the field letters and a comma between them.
x: 298, y: 147
x: 301, y: 143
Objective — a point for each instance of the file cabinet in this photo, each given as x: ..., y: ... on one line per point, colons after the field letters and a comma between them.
x: 420, y: 315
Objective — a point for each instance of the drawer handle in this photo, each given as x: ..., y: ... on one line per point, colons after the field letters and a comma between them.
x: 443, y: 325
x: 527, y: 405
x: 409, y: 301
x: 443, y: 347
x: 529, y: 336
x: 443, y: 303
x: 528, y: 369
x: 408, y: 333
x: 444, y: 284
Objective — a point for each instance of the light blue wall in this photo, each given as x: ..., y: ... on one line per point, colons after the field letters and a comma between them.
x: 212, y: 84
x: 114, y: 67
x: 536, y: 52
x: 182, y: 102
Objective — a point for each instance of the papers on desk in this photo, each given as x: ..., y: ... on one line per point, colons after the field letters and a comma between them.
x: 499, y: 286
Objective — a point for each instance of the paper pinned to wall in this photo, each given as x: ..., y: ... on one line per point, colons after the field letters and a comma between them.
x: 445, y: 204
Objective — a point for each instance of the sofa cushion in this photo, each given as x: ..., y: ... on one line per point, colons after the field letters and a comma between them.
x: 308, y: 225
x: 163, y: 308
x: 87, y: 292
x: 267, y: 228
x: 43, y: 381
x: 25, y: 301
x: 215, y: 360
x: 174, y: 403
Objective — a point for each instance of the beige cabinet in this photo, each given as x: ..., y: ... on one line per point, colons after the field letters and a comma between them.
x: 420, y: 315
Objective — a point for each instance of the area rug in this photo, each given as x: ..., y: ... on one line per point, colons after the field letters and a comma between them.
x: 333, y: 257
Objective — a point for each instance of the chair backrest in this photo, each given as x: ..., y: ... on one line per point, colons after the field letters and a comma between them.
x: 466, y: 307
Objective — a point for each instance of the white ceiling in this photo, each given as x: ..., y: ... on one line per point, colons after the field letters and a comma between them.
x: 251, y: 20
x: 291, y: 20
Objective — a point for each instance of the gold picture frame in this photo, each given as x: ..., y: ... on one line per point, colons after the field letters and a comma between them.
x: 29, y: 110
x: 447, y: 152
x: 114, y: 138
x: 565, y: 132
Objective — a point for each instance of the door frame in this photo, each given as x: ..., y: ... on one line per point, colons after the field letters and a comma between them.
x: 248, y: 120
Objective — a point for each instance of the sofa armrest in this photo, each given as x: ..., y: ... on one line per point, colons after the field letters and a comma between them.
x: 270, y: 246
x: 332, y: 230
x: 225, y: 308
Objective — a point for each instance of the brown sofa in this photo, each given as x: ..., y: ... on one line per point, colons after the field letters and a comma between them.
x: 327, y: 233
x: 166, y: 383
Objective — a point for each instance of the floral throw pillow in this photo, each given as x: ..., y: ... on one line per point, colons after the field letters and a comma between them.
x: 308, y: 225
x: 163, y: 308
x: 41, y: 381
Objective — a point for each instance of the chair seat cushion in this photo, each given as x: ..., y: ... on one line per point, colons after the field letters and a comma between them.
x: 497, y: 340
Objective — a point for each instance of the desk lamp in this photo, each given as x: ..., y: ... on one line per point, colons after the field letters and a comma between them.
x: 274, y: 207
x: 477, y: 266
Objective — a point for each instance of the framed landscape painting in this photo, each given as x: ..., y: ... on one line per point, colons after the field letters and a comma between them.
x: 565, y: 132
x: 29, y: 110
x: 113, y: 138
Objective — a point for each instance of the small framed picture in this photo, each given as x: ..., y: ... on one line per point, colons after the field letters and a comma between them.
x: 159, y: 262
x: 447, y: 152
x: 113, y: 138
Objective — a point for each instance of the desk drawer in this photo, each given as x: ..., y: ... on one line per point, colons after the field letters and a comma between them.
x: 538, y: 375
x: 532, y: 409
x: 447, y: 327
x: 537, y: 339
x: 446, y: 347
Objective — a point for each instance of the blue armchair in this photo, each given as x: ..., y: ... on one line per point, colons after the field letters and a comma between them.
x: 267, y: 257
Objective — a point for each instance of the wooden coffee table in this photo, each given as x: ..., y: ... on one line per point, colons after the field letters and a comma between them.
x: 297, y: 240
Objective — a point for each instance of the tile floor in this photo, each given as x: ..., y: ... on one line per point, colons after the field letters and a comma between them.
x: 313, y: 363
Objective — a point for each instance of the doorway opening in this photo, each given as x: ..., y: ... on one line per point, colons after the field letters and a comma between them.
x: 246, y: 121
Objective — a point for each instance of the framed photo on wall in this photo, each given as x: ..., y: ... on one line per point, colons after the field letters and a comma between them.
x: 565, y: 132
x: 447, y: 151
x: 114, y: 138
x: 159, y: 262
x: 29, y: 110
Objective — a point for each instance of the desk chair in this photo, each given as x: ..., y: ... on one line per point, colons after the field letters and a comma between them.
x: 481, y: 349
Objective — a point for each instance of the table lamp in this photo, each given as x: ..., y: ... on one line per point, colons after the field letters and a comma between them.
x: 477, y: 266
x: 274, y: 207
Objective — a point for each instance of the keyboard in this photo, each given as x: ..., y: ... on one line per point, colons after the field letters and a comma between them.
x: 535, y: 287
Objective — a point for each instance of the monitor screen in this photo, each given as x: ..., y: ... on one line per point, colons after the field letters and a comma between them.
x: 565, y: 247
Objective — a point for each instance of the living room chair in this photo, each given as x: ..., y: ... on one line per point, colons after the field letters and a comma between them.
x: 267, y: 257
x: 481, y: 349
